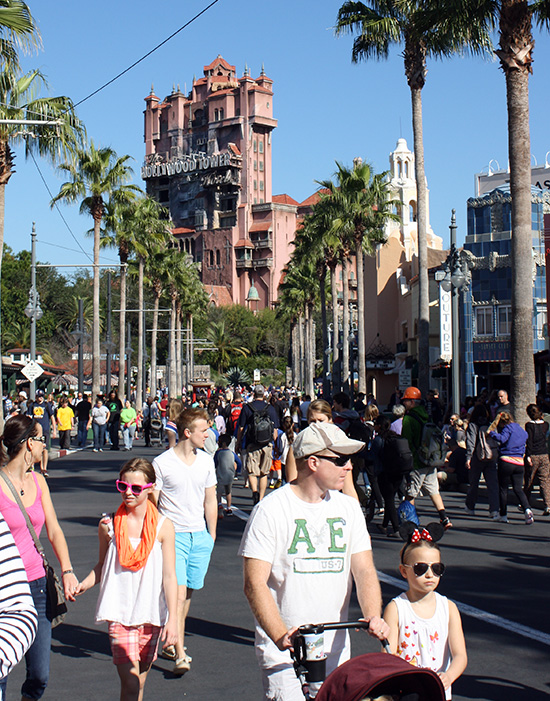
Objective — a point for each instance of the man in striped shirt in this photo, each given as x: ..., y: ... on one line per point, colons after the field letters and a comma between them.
x: 18, y: 619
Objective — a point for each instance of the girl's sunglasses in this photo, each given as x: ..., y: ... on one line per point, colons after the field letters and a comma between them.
x: 136, y: 489
x: 420, y: 568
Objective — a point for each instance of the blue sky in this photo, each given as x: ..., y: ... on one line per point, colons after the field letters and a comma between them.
x: 328, y: 108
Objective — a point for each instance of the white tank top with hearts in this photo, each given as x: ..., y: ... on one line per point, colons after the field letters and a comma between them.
x: 424, y: 642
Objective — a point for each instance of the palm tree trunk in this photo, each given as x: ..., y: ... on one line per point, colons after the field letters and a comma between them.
x: 423, y: 342
x: 2, y: 215
x: 311, y: 352
x: 295, y: 353
x: 323, y: 300
x: 301, y: 351
x: 96, y: 350
x: 122, y: 337
x: 188, y: 353
x: 192, y: 350
x: 361, y: 344
x: 179, y: 359
x: 173, y: 380
x: 336, y: 385
x: 307, y: 349
x: 154, y: 344
x: 515, y: 28
x: 347, y: 382
x: 141, y: 326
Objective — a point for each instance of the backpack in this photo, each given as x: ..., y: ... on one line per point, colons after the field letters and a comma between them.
x: 486, y: 447
x: 432, y: 449
x: 407, y: 512
x: 234, y: 416
x: 359, y: 431
x: 396, y: 456
x: 261, y: 427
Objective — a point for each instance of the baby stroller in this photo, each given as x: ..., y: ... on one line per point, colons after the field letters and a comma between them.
x: 156, y: 431
x: 377, y: 675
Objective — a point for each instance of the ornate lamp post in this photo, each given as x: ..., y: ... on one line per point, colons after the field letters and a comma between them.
x: 33, y: 310
x: 457, y: 277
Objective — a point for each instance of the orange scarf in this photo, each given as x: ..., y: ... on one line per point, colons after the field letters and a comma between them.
x: 129, y: 558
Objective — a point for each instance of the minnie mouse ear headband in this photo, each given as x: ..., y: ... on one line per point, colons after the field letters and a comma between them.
x: 411, y: 533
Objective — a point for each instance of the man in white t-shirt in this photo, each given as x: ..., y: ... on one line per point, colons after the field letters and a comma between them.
x: 302, y: 548
x: 186, y: 493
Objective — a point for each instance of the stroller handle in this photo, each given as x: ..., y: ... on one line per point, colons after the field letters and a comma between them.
x: 340, y: 625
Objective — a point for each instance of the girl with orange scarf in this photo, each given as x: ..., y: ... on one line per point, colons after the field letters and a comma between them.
x: 136, y: 571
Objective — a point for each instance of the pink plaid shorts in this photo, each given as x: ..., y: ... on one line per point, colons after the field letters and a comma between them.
x: 134, y: 643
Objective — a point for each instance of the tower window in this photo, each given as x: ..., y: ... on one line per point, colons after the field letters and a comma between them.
x: 261, y: 146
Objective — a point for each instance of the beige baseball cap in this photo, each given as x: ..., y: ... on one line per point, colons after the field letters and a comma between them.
x: 318, y: 437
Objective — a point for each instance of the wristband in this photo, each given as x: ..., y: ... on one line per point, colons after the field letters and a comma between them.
x: 67, y: 572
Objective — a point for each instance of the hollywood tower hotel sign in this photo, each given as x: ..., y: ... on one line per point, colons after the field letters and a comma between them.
x: 208, y: 160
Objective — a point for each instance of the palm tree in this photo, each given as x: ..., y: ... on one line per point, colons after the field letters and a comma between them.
x: 149, y: 226
x: 157, y: 265
x: 17, y: 30
x: 97, y: 177
x: 515, y: 54
x: 360, y: 209
x: 423, y: 31
x: 225, y: 345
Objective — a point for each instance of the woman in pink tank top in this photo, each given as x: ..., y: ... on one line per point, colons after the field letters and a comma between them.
x: 22, y: 446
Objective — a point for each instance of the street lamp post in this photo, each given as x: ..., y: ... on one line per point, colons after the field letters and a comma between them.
x: 457, y: 278
x: 33, y: 310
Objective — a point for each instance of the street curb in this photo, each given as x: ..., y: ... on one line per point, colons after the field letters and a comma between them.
x: 55, y: 453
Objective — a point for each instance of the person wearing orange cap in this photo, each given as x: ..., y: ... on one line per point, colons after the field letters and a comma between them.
x: 423, y: 479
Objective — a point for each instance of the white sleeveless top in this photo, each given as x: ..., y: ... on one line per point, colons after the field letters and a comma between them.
x: 132, y: 598
x: 424, y: 642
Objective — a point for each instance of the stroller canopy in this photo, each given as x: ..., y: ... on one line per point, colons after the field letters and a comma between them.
x: 378, y: 673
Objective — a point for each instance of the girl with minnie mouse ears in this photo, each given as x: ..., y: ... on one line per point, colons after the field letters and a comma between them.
x: 425, y: 627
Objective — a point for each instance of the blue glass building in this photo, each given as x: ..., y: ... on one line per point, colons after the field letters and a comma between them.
x: 486, y: 305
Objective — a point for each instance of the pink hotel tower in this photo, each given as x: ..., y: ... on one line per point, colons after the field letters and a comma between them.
x: 208, y: 160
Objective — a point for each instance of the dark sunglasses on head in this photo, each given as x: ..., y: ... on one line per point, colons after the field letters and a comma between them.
x: 136, y: 489
x: 420, y: 568
x: 339, y: 460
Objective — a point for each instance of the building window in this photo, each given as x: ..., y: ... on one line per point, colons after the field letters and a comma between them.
x: 255, y: 165
x: 406, y: 169
x: 164, y: 196
x: 484, y: 321
x: 261, y: 146
x: 216, y: 115
x: 504, y: 316
x: 218, y: 258
x: 261, y: 185
x: 255, y: 184
x: 412, y: 211
x: 542, y: 324
x: 211, y: 256
x: 221, y: 113
x: 261, y: 166
x: 261, y: 200
x: 255, y: 145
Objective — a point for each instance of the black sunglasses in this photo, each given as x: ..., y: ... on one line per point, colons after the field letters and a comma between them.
x: 420, y: 568
x: 339, y: 460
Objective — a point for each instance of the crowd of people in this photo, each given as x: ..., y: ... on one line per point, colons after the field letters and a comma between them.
x: 318, y: 473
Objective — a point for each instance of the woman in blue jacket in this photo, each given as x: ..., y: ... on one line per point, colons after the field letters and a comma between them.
x: 512, y: 439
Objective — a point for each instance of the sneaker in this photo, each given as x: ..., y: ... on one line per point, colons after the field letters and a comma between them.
x: 95, y: 450
x: 228, y: 512
x: 546, y: 511
x: 446, y: 523
x: 278, y: 484
x: 470, y: 512
x: 494, y: 515
x: 169, y: 653
x: 520, y: 508
x: 182, y: 666
x: 529, y: 518
x: 502, y: 519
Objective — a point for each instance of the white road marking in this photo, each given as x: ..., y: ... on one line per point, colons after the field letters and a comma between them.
x: 510, y: 626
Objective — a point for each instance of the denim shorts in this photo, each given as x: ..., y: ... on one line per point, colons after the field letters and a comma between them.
x: 193, y: 551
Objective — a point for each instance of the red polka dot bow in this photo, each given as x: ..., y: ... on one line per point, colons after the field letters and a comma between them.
x: 420, y: 535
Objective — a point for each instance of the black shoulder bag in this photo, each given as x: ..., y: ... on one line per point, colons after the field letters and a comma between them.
x: 56, y: 607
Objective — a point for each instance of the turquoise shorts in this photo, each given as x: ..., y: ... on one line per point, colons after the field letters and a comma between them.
x: 193, y: 551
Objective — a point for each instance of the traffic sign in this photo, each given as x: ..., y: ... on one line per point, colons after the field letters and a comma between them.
x: 32, y: 370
